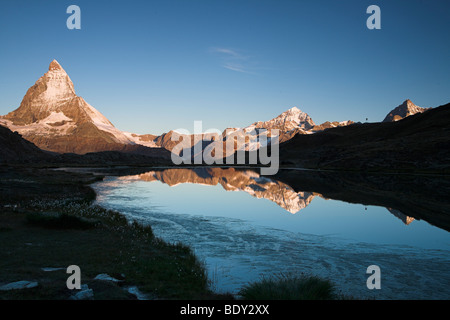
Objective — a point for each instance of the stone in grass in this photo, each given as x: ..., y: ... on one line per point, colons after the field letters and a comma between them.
x: 51, y: 269
x: 135, y: 291
x: 84, y: 294
x: 106, y: 277
x: 19, y: 285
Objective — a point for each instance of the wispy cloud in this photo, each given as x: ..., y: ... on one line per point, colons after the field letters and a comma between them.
x: 234, y: 67
x: 227, y: 51
x: 233, y: 59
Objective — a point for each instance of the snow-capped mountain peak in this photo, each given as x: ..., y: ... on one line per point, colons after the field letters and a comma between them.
x: 290, y: 119
x: 58, y: 84
x: 53, y: 117
x: 54, y: 65
x: 406, y: 109
x: 293, y: 110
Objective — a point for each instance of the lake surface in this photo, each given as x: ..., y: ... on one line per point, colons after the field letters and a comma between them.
x: 245, y: 226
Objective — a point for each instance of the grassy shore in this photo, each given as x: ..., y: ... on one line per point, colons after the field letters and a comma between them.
x: 292, y: 287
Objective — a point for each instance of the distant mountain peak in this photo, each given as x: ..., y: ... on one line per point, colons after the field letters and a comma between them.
x: 58, y: 83
x: 55, y: 66
x: 289, y: 120
x: 53, y: 117
x: 50, y: 93
x: 406, y: 109
x: 408, y: 104
x: 294, y: 109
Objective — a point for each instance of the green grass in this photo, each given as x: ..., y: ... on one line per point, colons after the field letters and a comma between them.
x: 290, y: 287
x: 59, y: 221
x: 61, y: 233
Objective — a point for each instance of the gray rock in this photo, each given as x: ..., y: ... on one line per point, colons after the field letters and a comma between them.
x: 106, y: 277
x: 50, y: 269
x: 135, y: 291
x: 84, y: 294
x: 19, y: 285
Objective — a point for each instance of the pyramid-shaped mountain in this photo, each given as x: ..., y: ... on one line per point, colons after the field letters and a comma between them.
x: 406, y: 109
x: 54, y: 118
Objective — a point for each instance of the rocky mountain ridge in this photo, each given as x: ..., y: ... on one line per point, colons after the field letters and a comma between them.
x: 406, y: 109
x: 55, y: 119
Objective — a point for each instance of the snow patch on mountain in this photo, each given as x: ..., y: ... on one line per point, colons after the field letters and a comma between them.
x: 55, y: 124
x: 137, y: 140
x: 55, y: 117
x: 102, y: 123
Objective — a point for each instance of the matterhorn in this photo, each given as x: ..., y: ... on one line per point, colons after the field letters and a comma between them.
x: 54, y: 118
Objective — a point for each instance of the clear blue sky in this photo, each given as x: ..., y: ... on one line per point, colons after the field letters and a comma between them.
x: 152, y: 66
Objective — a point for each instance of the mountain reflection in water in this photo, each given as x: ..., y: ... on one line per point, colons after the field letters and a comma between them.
x: 235, y: 180
x: 249, y: 181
